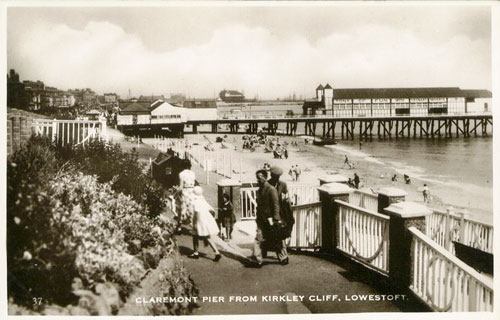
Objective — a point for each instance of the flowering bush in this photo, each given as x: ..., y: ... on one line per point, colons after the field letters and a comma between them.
x: 110, y: 164
x: 63, y: 224
x: 36, y: 257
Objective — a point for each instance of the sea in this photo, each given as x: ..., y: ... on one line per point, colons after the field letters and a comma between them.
x: 460, y: 170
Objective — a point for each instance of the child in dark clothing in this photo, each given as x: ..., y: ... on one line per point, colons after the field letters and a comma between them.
x: 226, y: 216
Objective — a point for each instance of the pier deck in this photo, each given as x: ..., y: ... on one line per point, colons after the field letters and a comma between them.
x: 435, y: 126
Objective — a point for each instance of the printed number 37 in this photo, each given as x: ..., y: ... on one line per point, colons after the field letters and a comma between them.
x: 37, y: 301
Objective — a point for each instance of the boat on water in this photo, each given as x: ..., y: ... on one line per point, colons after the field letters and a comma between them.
x: 324, y: 142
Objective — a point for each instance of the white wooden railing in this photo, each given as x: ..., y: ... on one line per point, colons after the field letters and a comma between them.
x: 70, y: 131
x: 444, y: 282
x: 364, y: 235
x: 302, y: 193
x: 248, y: 200
x: 306, y: 232
x: 364, y: 200
x: 446, y: 227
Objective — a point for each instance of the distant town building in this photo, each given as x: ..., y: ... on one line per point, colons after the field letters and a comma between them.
x: 35, y: 95
x: 200, y: 103
x: 16, y: 97
x: 231, y: 96
x: 86, y: 97
x: 151, y: 98
x: 111, y: 98
x: 362, y: 102
x: 34, y: 91
x: 176, y: 99
x: 89, y: 97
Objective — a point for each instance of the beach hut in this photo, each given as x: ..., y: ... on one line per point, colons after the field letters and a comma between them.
x: 166, y: 168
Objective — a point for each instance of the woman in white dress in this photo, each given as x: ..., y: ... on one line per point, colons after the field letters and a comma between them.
x: 187, y: 180
x: 204, y: 225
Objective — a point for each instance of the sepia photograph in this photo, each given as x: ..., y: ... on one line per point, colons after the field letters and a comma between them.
x: 232, y: 158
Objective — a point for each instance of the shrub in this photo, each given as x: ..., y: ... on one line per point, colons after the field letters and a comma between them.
x: 63, y: 224
x: 36, y: 256
x: 110, y: 164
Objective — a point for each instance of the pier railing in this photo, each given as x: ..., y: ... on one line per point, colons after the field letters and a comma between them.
x: 70, y: 131
x: 329, y: 116
x: 363, y: 235
x: 444, y: 282
x: 446, y: 227
x: 306, y: 232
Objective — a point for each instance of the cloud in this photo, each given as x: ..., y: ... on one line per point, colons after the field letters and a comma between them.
x: 106, y: 58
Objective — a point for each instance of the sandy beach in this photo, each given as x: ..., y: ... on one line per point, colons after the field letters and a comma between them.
x: 318, y: 161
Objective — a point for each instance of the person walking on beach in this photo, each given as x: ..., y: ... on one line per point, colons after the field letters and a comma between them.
x: 292, y: 173
x: 298, y: 172
x: 279, y: 242
x: 346, y: 161
x: 204, y: 225
x: 356, y: 181
x: 426, y: 193
x: 394, y: 178
x: 268, y: 213
x: 226, y: 216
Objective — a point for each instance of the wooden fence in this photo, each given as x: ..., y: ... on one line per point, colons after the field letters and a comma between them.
x: 444, y: 282
x: 248, y: 200
x: 446, y: 227
x: 306, y: 232
x: 70, y: 131
x: 363, y: 235
x: 364, y: 200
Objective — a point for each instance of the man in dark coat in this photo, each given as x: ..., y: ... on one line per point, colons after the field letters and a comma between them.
x: 268, y: 213
x: 356, y: 180
x: 280, y: 244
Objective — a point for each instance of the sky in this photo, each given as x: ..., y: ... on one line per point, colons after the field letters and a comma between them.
x: 266, y: 51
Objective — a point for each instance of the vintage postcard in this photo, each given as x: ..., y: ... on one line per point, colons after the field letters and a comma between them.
x: 291, y: 159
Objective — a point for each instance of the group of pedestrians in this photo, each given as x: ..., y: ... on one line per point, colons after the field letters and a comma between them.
x: 274, y: 217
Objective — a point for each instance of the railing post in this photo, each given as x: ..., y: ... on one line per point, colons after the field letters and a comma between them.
x: 328, y: 193
x: 388, y: 196
x: 104, y: 130
x: 231, y: 187
x: 403, y: 215
x: 332, y: 178
x: 447, y: 229
x: 461, y: 238
x: 54, y: 130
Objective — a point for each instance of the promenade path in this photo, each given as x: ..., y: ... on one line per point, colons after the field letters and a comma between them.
x: 312, y: 276
x: 318, y: 278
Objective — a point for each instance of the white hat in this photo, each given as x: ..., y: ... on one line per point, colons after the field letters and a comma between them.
x: 198, y: 191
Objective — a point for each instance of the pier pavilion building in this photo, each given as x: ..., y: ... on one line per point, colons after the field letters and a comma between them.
x: 159, y: 115
x: 380, y: 102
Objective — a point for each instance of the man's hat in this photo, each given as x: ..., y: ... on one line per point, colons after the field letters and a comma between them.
x: 276, y: 171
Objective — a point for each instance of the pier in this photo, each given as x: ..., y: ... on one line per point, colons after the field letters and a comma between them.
x: 367, y: 128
